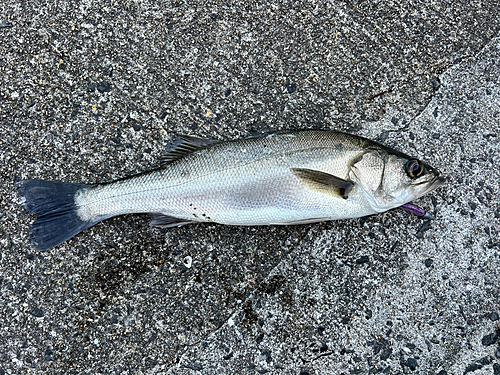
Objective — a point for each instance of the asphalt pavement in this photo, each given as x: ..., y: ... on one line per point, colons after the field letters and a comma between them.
x: 92, y: 91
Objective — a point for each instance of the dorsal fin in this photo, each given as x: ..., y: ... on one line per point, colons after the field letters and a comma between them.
x: 181, y: 145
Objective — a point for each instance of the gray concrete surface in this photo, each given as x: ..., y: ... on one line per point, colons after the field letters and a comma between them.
x: 91, y: 91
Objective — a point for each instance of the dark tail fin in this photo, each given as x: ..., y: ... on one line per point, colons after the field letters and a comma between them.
x: 53, y: 202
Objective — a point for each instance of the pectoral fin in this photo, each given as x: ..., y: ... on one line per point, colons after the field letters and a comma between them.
x: 324, y: 182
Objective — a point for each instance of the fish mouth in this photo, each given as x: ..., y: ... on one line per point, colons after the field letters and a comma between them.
x: 436, y: 182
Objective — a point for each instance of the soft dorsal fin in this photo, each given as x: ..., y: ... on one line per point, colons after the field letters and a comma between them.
x: 324, y: 182
x: 181, y: 145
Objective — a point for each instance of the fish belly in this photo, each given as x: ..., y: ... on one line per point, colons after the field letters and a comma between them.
x: 235, y: 197
x: 252, y: 198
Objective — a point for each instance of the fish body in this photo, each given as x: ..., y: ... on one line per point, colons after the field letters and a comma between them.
x: 284, y: 178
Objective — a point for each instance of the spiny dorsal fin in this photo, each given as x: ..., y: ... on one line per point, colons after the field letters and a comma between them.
x: 181, y: 145
x: 324, y: 182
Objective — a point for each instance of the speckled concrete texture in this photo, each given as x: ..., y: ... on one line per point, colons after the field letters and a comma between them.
x: 92, y: 91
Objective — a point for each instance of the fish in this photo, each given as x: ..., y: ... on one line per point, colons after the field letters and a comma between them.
x: 285, y: 178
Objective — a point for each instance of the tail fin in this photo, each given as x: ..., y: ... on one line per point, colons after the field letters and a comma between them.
x: 53, y: 202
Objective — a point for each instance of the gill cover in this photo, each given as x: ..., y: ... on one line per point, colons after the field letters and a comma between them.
x: 390, y: 180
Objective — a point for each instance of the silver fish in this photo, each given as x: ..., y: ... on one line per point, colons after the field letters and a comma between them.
x: 286, y: 178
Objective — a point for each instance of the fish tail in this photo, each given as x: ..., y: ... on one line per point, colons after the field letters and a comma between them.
x: 53, y: 202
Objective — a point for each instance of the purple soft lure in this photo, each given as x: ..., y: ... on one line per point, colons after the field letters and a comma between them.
x: 420, y: 212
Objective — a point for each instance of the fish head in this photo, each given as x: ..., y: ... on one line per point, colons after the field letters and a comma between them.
x: 390, y: 179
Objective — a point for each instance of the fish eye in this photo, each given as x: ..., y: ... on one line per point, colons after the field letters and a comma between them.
x: 414, y: 168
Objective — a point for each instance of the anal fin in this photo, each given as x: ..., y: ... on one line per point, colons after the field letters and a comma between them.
x: 324, y: 182
x: 164, y: 221
x: 304, y: 221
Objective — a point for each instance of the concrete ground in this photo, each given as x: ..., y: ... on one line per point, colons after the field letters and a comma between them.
x: 92, y: 91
